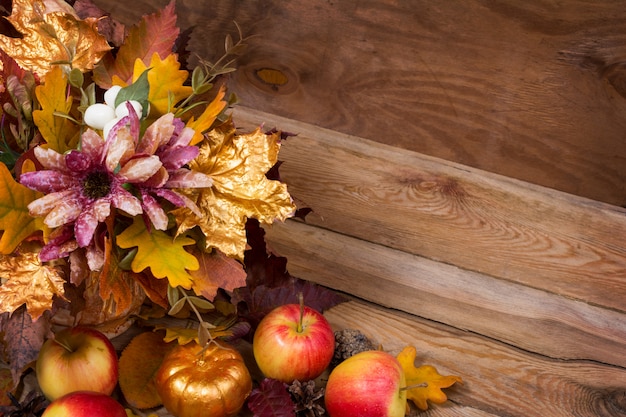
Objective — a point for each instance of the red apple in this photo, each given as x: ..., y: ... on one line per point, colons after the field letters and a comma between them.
x: 293, y: 342
x: 84, y: 404
x: 77, y: 359
x: 368, y: 384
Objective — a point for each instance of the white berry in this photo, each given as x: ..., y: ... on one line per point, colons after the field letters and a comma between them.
x: 122, y: 110
x: 97, y: 115
x: 111, y: 94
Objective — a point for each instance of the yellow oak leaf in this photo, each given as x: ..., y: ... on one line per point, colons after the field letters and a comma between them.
x: 424, y: 383
x: 28, y: 282
x: 52, y: 34
x: 164, y: 255
x: 15, y: 221
x: 60, y: 133
x: 237, y: 163
x: 166, y: 82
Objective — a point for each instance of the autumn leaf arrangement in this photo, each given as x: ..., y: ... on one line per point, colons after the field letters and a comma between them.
x: 124, y: 180
x: 129, y: 195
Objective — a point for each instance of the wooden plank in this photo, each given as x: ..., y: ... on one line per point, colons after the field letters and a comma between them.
x: 499, y: 380
x: 454, y: 214
x: 532, y: 90
x: 531, y: 319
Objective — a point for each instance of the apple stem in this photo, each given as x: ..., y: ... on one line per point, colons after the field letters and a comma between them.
x: 65, y: 345
x: 420, y: 385
x: 301, y: 300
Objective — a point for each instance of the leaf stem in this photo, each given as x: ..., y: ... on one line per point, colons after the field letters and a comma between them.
x: 420, y: 385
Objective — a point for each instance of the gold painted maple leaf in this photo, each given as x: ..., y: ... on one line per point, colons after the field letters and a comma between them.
x: 52, y: 34
x: 28, y: 282
x: 237, y: 163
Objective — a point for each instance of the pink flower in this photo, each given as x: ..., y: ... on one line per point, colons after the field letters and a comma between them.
x: 124, y: 171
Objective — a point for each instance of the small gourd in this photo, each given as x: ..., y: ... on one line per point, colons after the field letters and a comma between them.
x: 193, y: 382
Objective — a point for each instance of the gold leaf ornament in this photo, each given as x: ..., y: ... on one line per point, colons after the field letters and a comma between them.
x: 28, y: 282
x: 237, y: 163
x: 52, y: 34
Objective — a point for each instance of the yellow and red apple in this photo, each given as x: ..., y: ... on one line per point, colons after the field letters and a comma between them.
x: 77, y: 359
x: 84, y: 404
x: 293, y: 342
x: 368, y: 384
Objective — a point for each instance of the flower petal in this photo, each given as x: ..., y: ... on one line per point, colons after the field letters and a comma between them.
x: 120, y: 149
x: 92, y: 145
x: 185, y: 178
x: 175, y: 158
x: 48, y: 181
x: 43, y: 205
x: 155, y: 212
x: 157, y: 134
x: 64, y: 212
x: 50, y: 159
x: 125, y: 201
x: 140, y: 169
x: 87, y: 222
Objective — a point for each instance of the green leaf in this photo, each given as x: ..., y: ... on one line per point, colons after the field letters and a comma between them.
x: 164, y: 255
x: 137, y: 91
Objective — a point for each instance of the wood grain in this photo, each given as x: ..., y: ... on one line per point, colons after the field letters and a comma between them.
x: 532, y: 90
x: 453, y: 214
x: 498, y: 380
x: 531, y: 319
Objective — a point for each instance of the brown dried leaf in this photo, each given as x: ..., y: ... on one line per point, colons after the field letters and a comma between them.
x: 23, y: 338
x: 216, y: 271
x: 138, y: 364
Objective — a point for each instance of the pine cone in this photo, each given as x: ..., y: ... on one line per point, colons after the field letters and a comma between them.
x: 306, y: 396
x: 349, y: 342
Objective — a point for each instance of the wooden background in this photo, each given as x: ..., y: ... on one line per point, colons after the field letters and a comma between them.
x: 533, y: 90
x: 465, y: 164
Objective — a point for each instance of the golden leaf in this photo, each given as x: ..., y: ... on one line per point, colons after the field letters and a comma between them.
x: 52, y: 35
x: 237, y: 163
x: 424, y: 383
x: 28, y: 282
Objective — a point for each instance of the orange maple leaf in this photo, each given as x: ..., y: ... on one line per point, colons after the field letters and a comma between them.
x: 424, y: 383
x: 29, y: 282
x: 15, y: 220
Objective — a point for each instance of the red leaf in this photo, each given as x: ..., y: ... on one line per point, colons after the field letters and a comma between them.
x: 270, y: 285
x: 156, y: 32
x: 271, y: 399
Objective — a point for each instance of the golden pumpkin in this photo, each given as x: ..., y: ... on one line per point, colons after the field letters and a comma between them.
x: 193, y: 383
